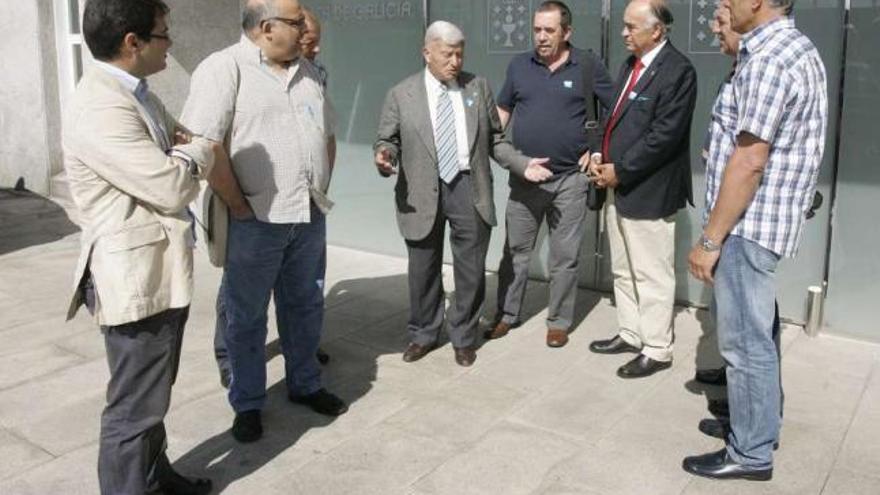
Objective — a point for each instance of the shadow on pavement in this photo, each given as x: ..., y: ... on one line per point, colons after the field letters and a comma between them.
x: 28, y: 219
x: 350, y: 374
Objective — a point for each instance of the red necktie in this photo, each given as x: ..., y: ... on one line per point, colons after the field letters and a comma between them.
x: 637, y: 69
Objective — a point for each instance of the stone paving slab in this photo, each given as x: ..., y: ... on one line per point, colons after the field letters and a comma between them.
x: 524, y: 419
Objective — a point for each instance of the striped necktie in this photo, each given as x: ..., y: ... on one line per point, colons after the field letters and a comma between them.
x: 444, y: 138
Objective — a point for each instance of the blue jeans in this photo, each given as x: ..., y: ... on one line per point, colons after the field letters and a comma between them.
x: 745, y: 311
x: 291, y: 260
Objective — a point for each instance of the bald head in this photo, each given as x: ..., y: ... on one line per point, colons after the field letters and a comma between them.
x: 257, y: 11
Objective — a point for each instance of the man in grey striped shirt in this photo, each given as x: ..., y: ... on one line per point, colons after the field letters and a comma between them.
x: 268, y: 103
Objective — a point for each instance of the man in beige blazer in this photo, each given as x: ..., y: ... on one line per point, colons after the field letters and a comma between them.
x: 132, y: 170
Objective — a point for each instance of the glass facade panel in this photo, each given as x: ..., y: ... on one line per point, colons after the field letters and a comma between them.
x: 77, y: 61
x: 74, y: 16
x: 853, y: 288
x: 367, y: 47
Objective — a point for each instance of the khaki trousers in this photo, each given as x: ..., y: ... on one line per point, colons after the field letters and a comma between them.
x: 643, y: 265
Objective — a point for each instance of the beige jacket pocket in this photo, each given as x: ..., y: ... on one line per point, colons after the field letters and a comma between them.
x: 135, y: 237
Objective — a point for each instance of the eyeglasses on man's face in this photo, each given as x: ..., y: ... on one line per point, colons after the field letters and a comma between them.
x: 299, y: 23
x: 166, y: 36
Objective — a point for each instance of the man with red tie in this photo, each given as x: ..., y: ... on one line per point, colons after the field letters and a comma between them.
x: 646, y: 170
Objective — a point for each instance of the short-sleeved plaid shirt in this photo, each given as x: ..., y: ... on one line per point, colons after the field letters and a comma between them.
x: 278, y: 125
x: 778, y: 94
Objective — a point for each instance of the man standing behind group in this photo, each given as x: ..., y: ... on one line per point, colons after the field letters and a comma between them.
x: 767, y: 140
x: 646, y: 150
x: 132, y: 170
x: 437, y: 130
x: 311, y: 43
x: 545, y: 92
x: 271, y: 103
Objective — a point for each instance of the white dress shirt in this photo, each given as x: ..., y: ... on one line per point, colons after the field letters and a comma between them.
x: 434, y: 88
x: 646, y: 62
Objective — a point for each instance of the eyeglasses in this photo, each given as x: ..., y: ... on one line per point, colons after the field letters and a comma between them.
x: 299, y: 24
x: 159, y: 36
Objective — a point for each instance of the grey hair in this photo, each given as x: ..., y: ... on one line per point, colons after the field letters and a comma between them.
x: 444, y: 32
x: 787, y: 6
x: 257, y: 11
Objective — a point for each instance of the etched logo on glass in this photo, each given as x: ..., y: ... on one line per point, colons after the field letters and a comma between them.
x: 701, y: 38
x: 509, y: 26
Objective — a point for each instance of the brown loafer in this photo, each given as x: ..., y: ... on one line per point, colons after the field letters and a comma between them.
x: 414, y: 352
x: 465, y: 356
x: 556, y: 337
x: 500, y: 330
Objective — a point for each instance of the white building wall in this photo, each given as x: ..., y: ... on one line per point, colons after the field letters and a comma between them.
x: 29, y: 106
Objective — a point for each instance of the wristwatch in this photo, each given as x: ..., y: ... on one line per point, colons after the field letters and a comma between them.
x: 707, y: 244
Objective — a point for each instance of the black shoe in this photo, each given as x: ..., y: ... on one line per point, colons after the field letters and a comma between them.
x: 248, y: 426
x: 177, y: 484
x: 712, y: 376
x: 465, y: 356
x: 322, y: 402
x: 612, y: 346
x: 720, y: 428
x: 642, y: 366
x: 225, y: 377
x: 170, y: 482
x: 714, y: 428
x: 719, y: 465
x: 322, y: 356
x: 719, y: 408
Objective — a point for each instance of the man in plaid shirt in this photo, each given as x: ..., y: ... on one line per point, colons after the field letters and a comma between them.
x: 767, y: 139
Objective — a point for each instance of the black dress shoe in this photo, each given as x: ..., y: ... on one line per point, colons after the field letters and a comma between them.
x: 642, y: 366
x: 414, y: 352
x: 712, y: 376
x: 719, y: 465
x: 170, y: 482
x: 615, y: 345
x: 322, y: 356
x: 714, y: 428
x: 248, y: 426
x: 720, y: 428
x: 322, y: 402
x: 177, y: 484
x: 719, y: 408
x: 465, y: 356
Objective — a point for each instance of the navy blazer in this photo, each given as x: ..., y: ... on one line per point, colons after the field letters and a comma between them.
x: 650, y: 142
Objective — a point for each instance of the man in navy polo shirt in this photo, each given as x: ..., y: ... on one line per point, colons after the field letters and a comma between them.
x: 544, y: 93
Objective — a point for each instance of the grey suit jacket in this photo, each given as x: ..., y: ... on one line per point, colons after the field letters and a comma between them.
x: 405, y: 130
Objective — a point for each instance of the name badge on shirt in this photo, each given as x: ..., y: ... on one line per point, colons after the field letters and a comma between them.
x: 568, y: 84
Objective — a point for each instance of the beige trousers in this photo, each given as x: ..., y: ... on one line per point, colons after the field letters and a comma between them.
x: 643, y: 265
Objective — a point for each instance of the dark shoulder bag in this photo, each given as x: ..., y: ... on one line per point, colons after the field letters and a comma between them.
x: 595, y: 195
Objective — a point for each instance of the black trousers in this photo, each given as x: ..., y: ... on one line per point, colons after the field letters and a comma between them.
x: 143, y: 357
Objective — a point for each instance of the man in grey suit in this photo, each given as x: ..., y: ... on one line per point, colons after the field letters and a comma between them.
x: 437, y: 130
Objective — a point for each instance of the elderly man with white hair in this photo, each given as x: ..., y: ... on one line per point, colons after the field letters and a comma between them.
x: 437, y: 130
